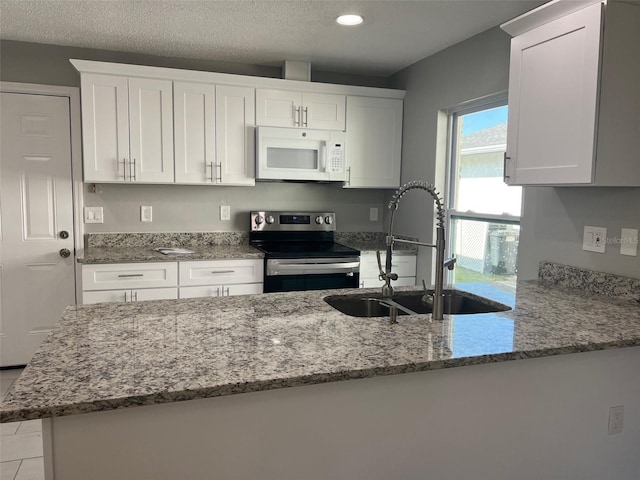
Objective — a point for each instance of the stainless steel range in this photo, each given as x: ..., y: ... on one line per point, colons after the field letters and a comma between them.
x: 300, y: 251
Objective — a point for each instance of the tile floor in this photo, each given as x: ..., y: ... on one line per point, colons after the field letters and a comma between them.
x: 20, y: 442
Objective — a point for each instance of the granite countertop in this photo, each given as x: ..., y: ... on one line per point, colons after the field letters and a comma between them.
x: 148, y: 254
x: 118, y: 355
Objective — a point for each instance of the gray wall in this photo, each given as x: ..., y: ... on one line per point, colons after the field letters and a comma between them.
x: 553, y: 223
x: 472, y: 69
x: 184, y: 208
x: 49, y: 64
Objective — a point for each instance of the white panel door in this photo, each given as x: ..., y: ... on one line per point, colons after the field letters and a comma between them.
x: 105, y: 136
x: 151, y: 130
x: 323, y: 111
x: 235, y: 135
x: 553, y: 100
x: 36, y: 205
x: 194, y: 116
x: 373, y: 148
x: 278, y: 108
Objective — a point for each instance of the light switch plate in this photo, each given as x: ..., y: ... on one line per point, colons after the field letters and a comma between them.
x: 93, y: 215
x: 594, y: 239
x: 225, y: 212
x: 629, y: 242
x: 146, y: 213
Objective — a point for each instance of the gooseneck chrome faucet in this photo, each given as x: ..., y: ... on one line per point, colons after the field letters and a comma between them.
x: 387, y: 275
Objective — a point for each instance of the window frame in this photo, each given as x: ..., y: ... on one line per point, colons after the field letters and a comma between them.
x: 487, y: 103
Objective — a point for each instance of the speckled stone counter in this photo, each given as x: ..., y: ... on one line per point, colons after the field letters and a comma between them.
x: 369, y: 242
x: 148, y: 254
x: 119, y: 355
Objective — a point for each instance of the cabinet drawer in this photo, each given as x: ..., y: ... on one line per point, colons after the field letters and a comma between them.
x: 129, y: 275
x: 403, y: 265
x: 127, y: 295
x: 220, y: 290
x: 375, y: 283
x: 221, y: 272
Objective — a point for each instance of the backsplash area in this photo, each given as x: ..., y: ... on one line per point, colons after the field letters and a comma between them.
x: 588, y: 280
x: 193, y: 239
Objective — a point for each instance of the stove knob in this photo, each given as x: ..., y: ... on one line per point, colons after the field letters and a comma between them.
x: 270, y: 219
x: 259, y: 219
x: 328, y: 220
x: 319, y: 220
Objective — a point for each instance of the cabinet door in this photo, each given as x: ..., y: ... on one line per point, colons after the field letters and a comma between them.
x: 105, y: 128
x: 205, y: 291
x: 102, y: 296
x: 278, y: 108
x: 235, y: 136
x: 374, y: 142
x: 323, y: 111
x: 194, y: 116
x: 243, y: 289
x: 151, y: 130
x: 403, y: 265
x: 553, y: 98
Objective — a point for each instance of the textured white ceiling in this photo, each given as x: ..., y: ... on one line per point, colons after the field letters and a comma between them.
x: 396, y: 33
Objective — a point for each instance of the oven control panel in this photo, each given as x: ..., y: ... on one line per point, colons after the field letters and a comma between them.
x: 293, y: 221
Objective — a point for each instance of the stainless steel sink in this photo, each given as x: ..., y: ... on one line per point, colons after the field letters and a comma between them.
x: 456, y: 302
x: 360, y: 306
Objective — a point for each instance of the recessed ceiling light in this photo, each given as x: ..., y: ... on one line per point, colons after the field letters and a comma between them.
x: 349, y: 19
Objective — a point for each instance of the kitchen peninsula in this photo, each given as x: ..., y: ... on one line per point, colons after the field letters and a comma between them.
x: 112, y: 380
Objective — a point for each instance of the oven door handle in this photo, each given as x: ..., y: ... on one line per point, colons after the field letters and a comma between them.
x: 277, y: 268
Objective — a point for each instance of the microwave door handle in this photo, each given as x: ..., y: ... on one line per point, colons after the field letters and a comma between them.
x: 323, y: 156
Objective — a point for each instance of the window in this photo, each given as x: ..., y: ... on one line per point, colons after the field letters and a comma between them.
x: 483, y: 212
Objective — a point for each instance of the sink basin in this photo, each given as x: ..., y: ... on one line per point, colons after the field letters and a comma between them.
x: 360, y: 306
x: 456, y: 302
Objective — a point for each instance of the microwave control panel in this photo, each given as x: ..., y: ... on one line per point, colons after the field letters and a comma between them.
x: 335, y: 158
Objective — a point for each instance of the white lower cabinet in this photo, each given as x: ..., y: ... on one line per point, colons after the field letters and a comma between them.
x: 403, y: 265
x: 132, y: 282
x: 221, y: 278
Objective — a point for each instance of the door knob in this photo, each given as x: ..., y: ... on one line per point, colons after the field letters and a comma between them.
x: 64, y: 253
x: 64, y: 234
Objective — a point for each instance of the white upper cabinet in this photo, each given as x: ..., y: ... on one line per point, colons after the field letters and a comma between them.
x: 373, y: 146
x: 574, y: 101
x: 195, y: 134
x: 235, y: 135
x: 285, y: 108
x: 127, y: 129
x: 105, y: 133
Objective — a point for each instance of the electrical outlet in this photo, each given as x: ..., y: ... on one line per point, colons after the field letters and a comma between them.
x: 373, y: 214
x: 594, y: 239
x: 616, y: 419
x: 629, y: 242
x: 93, y: 215
x: 146, y: 213
x: 225, y: 212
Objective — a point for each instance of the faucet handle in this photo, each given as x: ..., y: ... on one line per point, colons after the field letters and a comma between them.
x: 427, y: 298
x: 379, y: 262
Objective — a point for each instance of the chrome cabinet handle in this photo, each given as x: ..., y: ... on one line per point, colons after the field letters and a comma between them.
x: 225, y: 291
x: 207, y: 177
x: 215, y: 272
x: 305, y: 111
x: 219, y: 168
x: 296, y: 116
x: 125, y: 296
x: 136, y: 296
x: 133, y: 177
x: 124, y: 167
x: 217, y: 291
x: 128, y: 275
x: 348, y: 175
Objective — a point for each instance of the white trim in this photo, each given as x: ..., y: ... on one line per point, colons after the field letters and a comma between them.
x: 545, y: 14
x: 176, y: 74
x: 73, y: 94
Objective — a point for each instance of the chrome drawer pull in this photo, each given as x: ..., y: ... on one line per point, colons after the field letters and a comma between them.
x: 128, y: 275
x: 223, y: 271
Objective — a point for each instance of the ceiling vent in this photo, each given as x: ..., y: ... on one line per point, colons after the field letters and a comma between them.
x: 296, y: 71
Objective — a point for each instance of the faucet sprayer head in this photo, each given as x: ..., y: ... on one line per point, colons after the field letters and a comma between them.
x: 393, y: 204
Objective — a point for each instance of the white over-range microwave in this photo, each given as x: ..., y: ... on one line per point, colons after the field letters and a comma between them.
x: 300, y: 154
